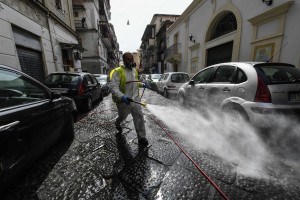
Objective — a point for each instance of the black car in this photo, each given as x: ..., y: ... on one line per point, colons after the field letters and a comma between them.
x: 32, y: 118
x: 80, y: 86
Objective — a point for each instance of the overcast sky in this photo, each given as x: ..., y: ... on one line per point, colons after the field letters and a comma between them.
x: 139, y: 13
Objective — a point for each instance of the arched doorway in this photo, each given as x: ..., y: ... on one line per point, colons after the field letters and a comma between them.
x: 221, y: 26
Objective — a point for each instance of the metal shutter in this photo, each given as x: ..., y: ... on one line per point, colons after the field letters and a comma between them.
x: 219, y: 54
x: 31, y: 62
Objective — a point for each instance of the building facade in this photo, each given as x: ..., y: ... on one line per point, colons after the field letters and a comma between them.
x: 149, y: 51
x: 38, y: 37
x: 210, y: 32
x: 92, y: 24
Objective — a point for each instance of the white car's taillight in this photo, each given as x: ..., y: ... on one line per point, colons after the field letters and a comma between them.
x: 262, y: 92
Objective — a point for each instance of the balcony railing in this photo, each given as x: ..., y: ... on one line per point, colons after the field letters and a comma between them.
x: 174, y: 49
x: 80, y: 25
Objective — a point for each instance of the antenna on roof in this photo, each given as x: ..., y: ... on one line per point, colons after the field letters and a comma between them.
x: 276, y: 52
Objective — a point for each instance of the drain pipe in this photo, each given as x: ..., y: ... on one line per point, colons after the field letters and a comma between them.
x: 51, y: 39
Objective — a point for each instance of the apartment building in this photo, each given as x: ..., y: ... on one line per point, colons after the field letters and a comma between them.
x: 38, y: 37
x: 149, y: 53
x: 210, y: 32
x: 97, y: 34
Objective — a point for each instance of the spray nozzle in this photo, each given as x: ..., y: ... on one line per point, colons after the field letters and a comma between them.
x: 141, y: 103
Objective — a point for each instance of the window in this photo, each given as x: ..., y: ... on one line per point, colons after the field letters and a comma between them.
x: 16, y: 89
x: 179, y: 78
x: 89, y: 80
x: 203, y: 76
x: 94, y: 80
x: 75, y: 14
x: 166, y: 76
x: 277, y: 74
x: 58, y: 4
x: 241, y: 76
x: 224, y: 74
x: 226, y: 25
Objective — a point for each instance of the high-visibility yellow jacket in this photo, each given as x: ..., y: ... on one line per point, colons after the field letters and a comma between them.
x: 124, y: 81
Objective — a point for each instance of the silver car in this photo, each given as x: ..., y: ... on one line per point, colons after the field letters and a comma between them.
x: 170, y: 82
x: 103, y: 79
x: 152, y: 80
x: 254, y: 91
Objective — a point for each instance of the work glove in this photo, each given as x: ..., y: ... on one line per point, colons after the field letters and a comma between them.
x: 125, y: 99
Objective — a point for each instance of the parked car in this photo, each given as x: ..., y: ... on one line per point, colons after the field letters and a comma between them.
x: 143, y: 77
x: 170, y: 82
x: 32, y: 118
x: 82, y: 87
x: 103, y: 79
x: 250, y: 90
x: 152, y: 80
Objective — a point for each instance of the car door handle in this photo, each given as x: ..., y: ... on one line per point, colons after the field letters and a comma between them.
x: 226, y: 89
x: 9, y: 126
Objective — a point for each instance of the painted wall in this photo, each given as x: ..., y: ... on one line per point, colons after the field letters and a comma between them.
x: 254, y: 29
x: 10, y: 17
x: 27, y: 17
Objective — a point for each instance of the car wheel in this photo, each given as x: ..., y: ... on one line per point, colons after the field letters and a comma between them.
x: 68, y: 132
x: 166, y: 93
x: 236, y: 113
x: 89, y: 104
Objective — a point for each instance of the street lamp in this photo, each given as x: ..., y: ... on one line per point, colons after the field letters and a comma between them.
x: 191, y: 38
x: 268, y: 2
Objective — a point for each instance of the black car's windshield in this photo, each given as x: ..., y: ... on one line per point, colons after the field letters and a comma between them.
x: 278, y: 74
x: 62, y: 78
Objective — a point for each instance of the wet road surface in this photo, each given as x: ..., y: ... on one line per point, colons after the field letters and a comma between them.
x: 100, y: 165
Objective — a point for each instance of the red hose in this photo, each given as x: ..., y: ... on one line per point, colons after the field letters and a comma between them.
x: 196, y: 165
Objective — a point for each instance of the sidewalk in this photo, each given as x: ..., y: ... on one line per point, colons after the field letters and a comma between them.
x: 99, y: 165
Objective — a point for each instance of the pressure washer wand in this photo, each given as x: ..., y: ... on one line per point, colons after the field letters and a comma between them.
x: 143, y: 92
x: 143, y: 104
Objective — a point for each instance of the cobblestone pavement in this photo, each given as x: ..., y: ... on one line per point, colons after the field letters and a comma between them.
x: 99, y: 165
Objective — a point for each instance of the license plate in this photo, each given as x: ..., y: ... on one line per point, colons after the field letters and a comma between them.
x: 60, y: 90
x: 295, y: 96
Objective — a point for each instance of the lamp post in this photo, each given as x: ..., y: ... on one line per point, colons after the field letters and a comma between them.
x: 267, y: 2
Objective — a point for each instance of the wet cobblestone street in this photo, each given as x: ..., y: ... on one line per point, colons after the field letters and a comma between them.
x: 100, y: 165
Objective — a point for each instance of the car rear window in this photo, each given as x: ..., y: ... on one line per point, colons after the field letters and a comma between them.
x: 62, y: 78
x: 279, y: 74
x: 155, y: 76
x: 179, y: 78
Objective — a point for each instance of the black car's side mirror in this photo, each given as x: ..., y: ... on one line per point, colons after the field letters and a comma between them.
x: 191, y: 82
x: 55, y: 95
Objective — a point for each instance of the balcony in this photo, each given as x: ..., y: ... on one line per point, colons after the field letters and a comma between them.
x: 79, y: 25
x: 104, y: 10
x: 173, y: 53
x: 107, y: 35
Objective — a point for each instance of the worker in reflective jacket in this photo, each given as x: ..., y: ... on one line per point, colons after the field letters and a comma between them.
x: 124, y: 86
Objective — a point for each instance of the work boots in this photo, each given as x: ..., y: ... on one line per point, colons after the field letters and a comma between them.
x: 120, y: 130
x: 143, y: 142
